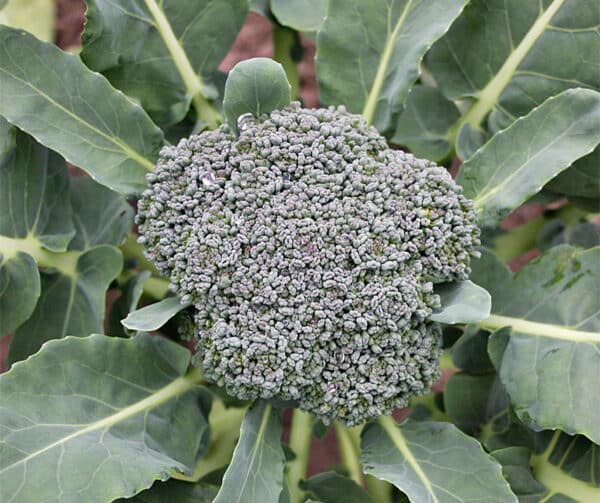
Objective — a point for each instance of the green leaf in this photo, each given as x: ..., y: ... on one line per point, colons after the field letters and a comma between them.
x: 497, y: 55
x: 260, y: 7
x: 432, y: 462
x: 461, y: 302
x: 469, y: 140
x: 34, y: 194
x: 368, y: 53
x: 557, y: 232
x: 256, y: 86
x: 475, y: 402
x: 424, y: 125
x: 582, y: 179
x: 176, y: 491
x: 101, y: 216
x: 74, y: 283
x: 328, y: 487
x: 566, y: 470
x: 97, y: 418
x: 35, y: 16
x: 155, y: 315
x: 469, y: 353
x: 34, y: 211
x: 161, y: 53
x: 75, y: 112
x: 69, y: 304
x: 19, y: 290
x: 256, y: 470
x: 517, y: 162
x: 550, y: 362
x: 131, y: 293
x: 516, y: 469
x: 301, y: 15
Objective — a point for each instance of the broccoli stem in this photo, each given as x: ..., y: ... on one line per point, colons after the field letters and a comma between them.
x: 205, y: 111
x: 380, y: 490
x: 300, y: 437
x: 350, y: 453
x: 284, y: 41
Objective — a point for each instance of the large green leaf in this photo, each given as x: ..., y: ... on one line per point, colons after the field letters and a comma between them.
x: 424, y: 125
x: 35, y: 16
x: 509, y: 56
x: 69, y: 304
x: 368, y: 53
x: 566, y: 470
x: 100, y: 215
x: 34, y: 211
x: 74, y: 284
x: 550, y: 363
x: 53, y: 96
x: 537, y: 466
x: 34, y: 193
x: 580, y: 180
x: 255, y: 474
x: 97, y: 418
x: 163, y: 53
x: 255, y: 86
x: 432, y: 462
x: 517, y: 162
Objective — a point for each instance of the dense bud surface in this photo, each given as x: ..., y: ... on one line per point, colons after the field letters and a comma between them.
x: 310, y: 250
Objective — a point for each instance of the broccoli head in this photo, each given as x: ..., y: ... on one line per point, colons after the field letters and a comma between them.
x: 309, y: 249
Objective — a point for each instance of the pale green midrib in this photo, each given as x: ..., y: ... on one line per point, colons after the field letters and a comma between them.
x: 131, y: 153
x: 395, y: 434
x: 172, y: 390
x: 371, y: 103
x: 65, y: 262
x: 191, y: 79
x: 489, y: 95
x: 557, y: 481
x: 259, y: 436
x: 496, y: 321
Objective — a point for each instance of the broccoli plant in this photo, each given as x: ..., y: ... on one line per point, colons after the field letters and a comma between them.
x: 406, y: 277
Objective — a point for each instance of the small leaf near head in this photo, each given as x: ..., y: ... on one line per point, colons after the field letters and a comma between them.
x: 256, y: 86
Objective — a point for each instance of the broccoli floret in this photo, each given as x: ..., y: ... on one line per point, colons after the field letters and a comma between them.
x: 309, y: 249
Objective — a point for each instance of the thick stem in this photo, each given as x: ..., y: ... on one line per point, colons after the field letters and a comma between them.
x: 65, y: 262
x: 133, y: 250
x: 380, y: 490
x: 300, y: 437
x: 284, y: 40
x: 205, y: 111
x: 192, y: 81
x: 489, y: 95
x: 496, y: 321
x: 350, y: 453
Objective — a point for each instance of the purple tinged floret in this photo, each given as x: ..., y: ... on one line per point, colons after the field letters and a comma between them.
x: 309, y: 249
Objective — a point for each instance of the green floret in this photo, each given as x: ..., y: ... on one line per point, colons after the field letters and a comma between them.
x: 309, y: 250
